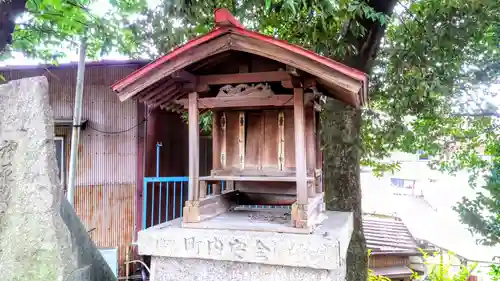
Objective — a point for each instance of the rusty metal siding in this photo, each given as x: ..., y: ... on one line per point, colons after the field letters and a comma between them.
x: 388, y: 261
x: 108, y: 210
x: 107, y: 162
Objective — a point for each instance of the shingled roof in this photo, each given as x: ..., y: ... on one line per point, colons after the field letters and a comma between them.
x: 230, y: 36
x: 388, y: 236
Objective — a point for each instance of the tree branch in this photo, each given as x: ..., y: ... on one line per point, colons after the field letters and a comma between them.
x: 9, y: 10
x: 479, y: 114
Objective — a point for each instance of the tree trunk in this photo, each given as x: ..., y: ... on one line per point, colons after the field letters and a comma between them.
x: 9, y: 10
x: 340, y: 132
x: 341, y: 126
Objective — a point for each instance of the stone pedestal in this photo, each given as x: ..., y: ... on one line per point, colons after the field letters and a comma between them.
x: 218, y: 254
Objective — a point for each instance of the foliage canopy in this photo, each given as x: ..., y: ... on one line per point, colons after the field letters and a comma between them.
x: 50, y: 29
x: 430, y: 85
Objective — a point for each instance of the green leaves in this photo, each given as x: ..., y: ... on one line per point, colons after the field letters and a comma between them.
x: 268, y: 5
x: 482, y: 213
x: 50, y: 28
x: 442, y: 271
x: 495, y: 273
x: 434, y: 66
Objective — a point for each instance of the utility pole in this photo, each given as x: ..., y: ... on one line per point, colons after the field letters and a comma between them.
x: 77, y: 120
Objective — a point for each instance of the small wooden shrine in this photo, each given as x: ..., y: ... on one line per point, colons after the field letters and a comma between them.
x: 264, y: 95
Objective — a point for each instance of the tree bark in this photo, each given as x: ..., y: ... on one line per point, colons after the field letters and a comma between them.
x: 9, y: 10
x: 341, y: 126
x: 341, y: 148
x: 368, y: 44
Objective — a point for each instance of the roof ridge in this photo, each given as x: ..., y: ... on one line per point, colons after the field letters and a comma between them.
x: 223, y: 17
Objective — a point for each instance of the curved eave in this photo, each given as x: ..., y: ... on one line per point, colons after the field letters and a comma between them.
x: 332, y: 73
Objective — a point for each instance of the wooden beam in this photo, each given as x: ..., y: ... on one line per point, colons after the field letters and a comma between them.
x: 172, y: 100
x: 203, y: 189
x: 350, y: 85
x: 178, y: 109
x: 266, y: 172
x: 194, y: 87
x: 169, y: 93
x: 281, y: 140
x: 304, y: 83
x: 168, y: 106
x: 216, y: 160
x: 292, y: 70
x: 261, y: 150
x: 194, y: 147
x: 223, y: 154
x: 241, y: 138
x: 155, y: 91
x: 184, y: 76
x: 207, y: 208
x: 216, y: 141
x: 239, y: 78
x: 310, y: 138
x: 253, y: 179
x: 196, y: 54
x: 243, y: 68
x: 228, y: 102
x: 300, y: 145
x: 218, y: 58
x: 165, y: 99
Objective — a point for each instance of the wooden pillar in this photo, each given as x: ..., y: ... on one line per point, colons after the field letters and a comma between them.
x: 203, y: 189
x: 311, y: 139
x: 216, y: 148
x: 216, y: 141
x: 281, y: 140
x: 300, y: 145
x: 194, y: 147
x: 223, y: 125
x: 241, y: 139
x: 310, y: 149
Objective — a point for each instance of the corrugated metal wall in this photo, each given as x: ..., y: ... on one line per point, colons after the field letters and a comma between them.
x: 377, y: 261
x: 107, y: 162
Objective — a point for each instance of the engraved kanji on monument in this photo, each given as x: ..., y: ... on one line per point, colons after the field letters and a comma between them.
x: 41, y: 237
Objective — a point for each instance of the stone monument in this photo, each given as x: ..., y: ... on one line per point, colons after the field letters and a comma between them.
x: 240, y: 255
x: 41, y: 237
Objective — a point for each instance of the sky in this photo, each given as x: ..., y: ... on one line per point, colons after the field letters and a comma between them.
x: 99, y: 8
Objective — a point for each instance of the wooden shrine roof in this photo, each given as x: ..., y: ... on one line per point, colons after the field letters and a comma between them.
x: 387, y: 235
x: 167, y: 79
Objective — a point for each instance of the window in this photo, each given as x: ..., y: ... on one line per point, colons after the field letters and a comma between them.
x: 422, y: 155
x: 403, y: 183
x: 59, y: 143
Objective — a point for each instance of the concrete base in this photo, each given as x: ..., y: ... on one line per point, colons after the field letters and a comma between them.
x: 174, y: 269
x: 218, y: 254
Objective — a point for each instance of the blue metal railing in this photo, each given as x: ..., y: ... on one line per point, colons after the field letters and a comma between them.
x: 170, y: 193
x: 164, y: 197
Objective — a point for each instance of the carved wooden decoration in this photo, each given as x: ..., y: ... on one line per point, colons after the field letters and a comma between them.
x: 223, y: 157
x: 259, y: 90
x: 241, y: 139
x: 281, y: 140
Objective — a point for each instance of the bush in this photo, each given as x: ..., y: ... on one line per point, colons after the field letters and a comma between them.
x: 440, y: 271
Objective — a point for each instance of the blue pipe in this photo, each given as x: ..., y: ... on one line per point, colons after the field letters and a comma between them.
x: 158, y: 145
